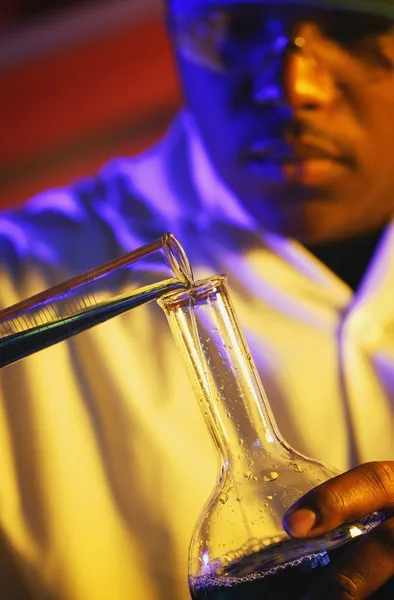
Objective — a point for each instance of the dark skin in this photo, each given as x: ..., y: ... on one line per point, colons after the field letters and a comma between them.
x: 336, y: 95
x: 330, y: 97
x: 370, y: 564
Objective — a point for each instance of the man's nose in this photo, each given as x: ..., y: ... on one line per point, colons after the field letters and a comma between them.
x: 294, y: 77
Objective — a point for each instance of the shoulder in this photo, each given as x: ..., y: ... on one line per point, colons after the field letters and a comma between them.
x: 128, y: 202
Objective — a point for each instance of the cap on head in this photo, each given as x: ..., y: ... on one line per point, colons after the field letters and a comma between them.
x: 383, y: 8
x: 375, y: 7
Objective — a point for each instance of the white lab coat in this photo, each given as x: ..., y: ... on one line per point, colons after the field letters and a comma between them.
x: 105, y: 459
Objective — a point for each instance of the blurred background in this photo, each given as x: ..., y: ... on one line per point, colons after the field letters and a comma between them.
x: 81, y: 81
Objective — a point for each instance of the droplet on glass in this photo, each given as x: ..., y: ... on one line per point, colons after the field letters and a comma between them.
x: 297, y: 468
x: 271, y: 476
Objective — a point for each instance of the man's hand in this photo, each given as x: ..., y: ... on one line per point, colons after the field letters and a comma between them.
x: 369, y: 564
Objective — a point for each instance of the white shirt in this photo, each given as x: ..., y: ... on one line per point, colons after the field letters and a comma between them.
x: 105, y: 459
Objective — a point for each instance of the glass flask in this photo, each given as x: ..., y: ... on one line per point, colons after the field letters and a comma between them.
x: 239, y: 548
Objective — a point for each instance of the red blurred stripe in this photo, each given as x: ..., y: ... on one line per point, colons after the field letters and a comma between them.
x: 53, y: 100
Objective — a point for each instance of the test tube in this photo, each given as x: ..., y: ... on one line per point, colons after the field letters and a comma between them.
x: 92, y: 298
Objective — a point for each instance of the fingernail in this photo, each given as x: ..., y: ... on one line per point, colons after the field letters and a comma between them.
x: 298, y: 522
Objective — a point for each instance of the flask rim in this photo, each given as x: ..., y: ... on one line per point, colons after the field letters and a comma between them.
x: 200, y: 290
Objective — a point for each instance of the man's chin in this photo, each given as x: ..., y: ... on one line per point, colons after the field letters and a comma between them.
x: 309, y: 222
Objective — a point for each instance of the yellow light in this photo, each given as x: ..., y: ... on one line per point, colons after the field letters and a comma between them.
x: 299, y: 42
x: 355, y: 531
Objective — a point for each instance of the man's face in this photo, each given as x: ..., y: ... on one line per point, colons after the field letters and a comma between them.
x: 295, y: 106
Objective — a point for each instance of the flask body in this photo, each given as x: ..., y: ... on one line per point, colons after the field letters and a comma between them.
x: 239, y: 548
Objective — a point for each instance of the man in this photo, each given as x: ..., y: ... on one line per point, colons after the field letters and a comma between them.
x: 280, y: 173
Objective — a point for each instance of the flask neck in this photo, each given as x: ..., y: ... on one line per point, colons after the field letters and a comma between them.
x: 222, y: 371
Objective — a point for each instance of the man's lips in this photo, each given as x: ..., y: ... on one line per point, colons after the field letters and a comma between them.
x: 281, y: 151
x: 313, y: 171
x: 303, y: 162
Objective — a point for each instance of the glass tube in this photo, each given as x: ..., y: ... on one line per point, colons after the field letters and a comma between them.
x: 92, y: 298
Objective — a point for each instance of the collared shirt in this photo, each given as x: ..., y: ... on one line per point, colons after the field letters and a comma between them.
x: 105, y: 458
